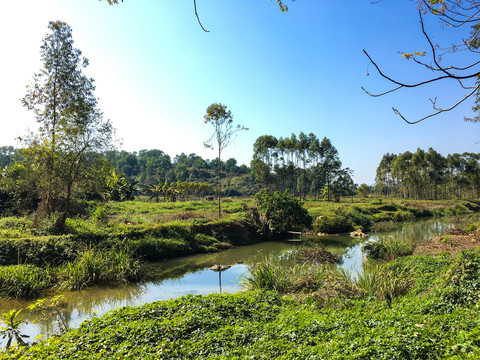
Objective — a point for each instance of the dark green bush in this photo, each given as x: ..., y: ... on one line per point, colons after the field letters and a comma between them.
x: 462, y: 285
x: 402, y: 215
x: 334, y: 225
x: 283, y: 212
x: 154, y: 249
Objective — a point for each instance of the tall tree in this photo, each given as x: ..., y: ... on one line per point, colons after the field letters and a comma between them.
x: 223, y: 132
x: 71, y: 125
x: 330, y: 163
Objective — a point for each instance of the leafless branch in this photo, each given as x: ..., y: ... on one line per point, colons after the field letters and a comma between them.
x: 198, y: 18
x: 438, y: 111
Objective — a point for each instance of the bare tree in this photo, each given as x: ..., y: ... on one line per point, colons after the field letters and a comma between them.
x: 280, y: 3
x: 452, y: 14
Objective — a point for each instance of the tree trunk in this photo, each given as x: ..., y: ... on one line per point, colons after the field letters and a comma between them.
x: 219, y: 184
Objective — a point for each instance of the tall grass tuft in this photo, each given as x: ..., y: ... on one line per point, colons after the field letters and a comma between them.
x: 274, y: 274
x: 383, y: 281
x: 95, y: 266
x: 387, y: 248
x: 25, y: 281
x: 375, y: 280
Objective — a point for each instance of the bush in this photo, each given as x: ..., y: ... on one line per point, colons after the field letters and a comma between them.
x: 334, y: 225
x: 462, y: 285
x: 283, y: 212
x: 152, y: 249
x: 402, y: 215
x: 39, y: 251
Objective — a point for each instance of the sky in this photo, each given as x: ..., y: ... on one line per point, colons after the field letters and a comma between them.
x: 156, y: 71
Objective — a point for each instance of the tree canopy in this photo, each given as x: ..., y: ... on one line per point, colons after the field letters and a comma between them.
x: 72, y: 128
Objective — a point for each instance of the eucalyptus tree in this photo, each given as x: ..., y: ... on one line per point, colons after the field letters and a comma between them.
x: 343, y: 184
x: 417, y: 175
x: 401, y: 173
x: 303, y: 146
x: 329, y: 164
x: 383, y: 178
x: 264, y: 159
x: 472, y: 172
x: 436, y: 168
x: 221, y: 119
x: 70, y: 124
x: 315, y: 154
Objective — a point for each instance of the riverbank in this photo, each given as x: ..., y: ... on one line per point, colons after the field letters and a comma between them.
x: 38, y: 258
x: 435, y: 316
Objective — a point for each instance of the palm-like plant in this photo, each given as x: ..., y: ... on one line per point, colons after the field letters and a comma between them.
x: 11, y: 330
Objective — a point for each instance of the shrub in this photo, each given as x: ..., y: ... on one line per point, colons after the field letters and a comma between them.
x: 39, y: 251
x: 462, y: 283
x: 153, y: 249
x: 334, y: 225
x: 283, y: 212
x: 402, y: 215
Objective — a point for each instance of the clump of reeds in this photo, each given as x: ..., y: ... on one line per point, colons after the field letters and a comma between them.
x: 25, y: 281
x: 387, y: 248
x: 95, y: 266
x: 274, y: 274
x: 315, y: 254
x: 378, y: 280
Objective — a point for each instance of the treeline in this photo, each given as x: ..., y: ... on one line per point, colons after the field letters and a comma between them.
x: 121, y: 175
x: 429, y: 175
x: 150, y: 166
x: 303, y: 164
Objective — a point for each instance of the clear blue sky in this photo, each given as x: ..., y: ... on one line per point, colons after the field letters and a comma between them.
x: 156, y: 72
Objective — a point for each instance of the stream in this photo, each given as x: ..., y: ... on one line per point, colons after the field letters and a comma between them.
x: 191, y: 275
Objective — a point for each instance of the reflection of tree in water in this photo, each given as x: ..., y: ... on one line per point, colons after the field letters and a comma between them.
x: 248, y: 255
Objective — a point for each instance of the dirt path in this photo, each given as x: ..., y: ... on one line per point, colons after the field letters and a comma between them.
x: 453, y: 241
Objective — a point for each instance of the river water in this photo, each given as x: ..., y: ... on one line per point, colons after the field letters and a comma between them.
x: 191, y: 275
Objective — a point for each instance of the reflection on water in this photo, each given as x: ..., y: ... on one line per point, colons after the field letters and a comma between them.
x: 191, y: 275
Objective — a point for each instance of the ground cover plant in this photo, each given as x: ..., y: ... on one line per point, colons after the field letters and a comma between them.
x: 423, y: 321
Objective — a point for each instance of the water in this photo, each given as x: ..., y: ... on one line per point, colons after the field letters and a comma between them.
x: 191, y: 275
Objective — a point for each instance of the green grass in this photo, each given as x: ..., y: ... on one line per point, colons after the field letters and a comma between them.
x: 154, y: 231
x: 99, y: 267
x: 24, y: 281
x: 274, y: 274
x: 387, y: 248
x: 415, y: 307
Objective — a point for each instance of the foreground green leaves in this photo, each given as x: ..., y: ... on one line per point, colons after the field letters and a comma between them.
x: 265, y: 325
